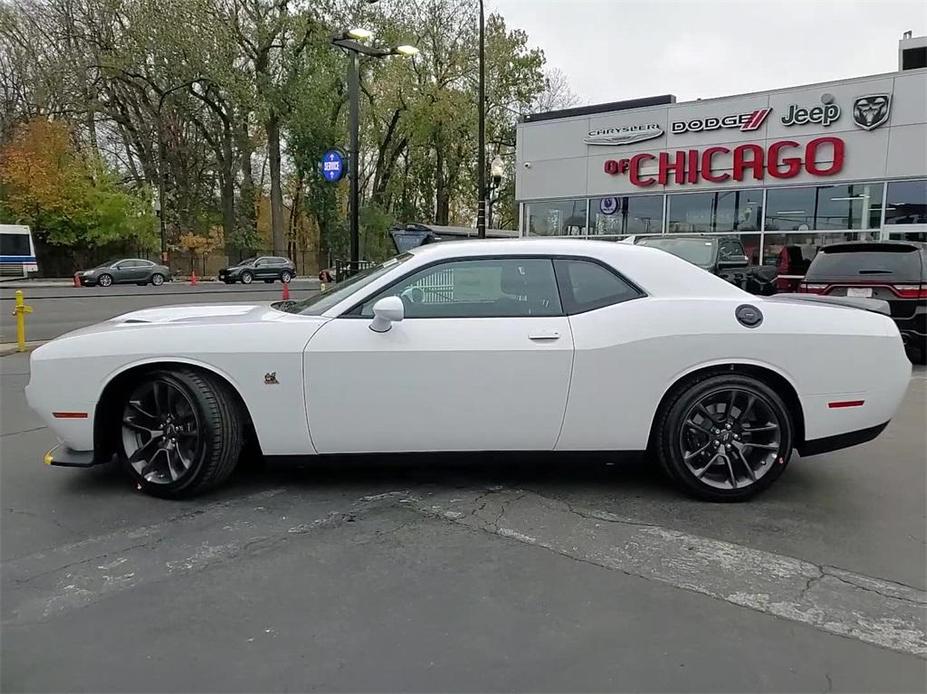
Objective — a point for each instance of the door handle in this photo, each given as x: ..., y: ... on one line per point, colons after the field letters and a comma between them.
x: 545, y: 336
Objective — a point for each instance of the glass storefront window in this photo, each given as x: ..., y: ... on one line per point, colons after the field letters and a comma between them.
x: 642, y: 214
x: 557, y: 218
x: 853, y: 206
x: 729, y: 210
x: 906, y: 202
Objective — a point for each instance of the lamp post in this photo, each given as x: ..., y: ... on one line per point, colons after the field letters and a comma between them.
x: 496, y: 171
x: 481, y: 135
x: 351, y: 41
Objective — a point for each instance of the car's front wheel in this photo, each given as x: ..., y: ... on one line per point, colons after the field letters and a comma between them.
x: 247, y: 278
x: 105, y: 280
x: 180, y: 432
x: 157, y: 279
x: 724, y: 438
x: 286, y: 276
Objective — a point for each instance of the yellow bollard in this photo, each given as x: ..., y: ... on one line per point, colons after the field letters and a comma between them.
x: 19, y: 312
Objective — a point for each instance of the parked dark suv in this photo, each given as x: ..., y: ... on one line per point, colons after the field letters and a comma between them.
x: 895, y: 271
x: 266, y: 267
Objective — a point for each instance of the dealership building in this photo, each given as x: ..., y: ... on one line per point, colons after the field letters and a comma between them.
x: 787, y: 170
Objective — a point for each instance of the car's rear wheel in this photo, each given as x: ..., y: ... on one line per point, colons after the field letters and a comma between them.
x: 286, y: 276
x: 105, y: 280
x: 247, y: 278
x: 157, y: 279
x: 724, y: 438
x: 180, y: 432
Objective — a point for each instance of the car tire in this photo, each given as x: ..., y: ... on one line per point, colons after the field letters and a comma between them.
x: 723, y: 437
x: 286, y: 276
x: 205, y: 439
x: 157, y: 279
x: 247, y: 278
x: 105, y: 280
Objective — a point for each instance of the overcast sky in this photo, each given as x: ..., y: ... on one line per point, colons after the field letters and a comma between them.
x: 623, y: 49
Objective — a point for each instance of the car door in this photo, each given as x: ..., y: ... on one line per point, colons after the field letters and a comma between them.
x: 124, y: 271
x: 481, y: 362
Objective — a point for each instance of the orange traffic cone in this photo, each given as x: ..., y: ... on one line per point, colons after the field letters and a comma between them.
x: 76, y: 279
x: 193, y: 280
x: 286, y: 292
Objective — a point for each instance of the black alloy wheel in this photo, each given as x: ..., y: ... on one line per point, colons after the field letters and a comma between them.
x: 180, y: 433
x: 725, y: 438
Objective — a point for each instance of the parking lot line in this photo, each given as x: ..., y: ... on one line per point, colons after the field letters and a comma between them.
x: 869, y: 609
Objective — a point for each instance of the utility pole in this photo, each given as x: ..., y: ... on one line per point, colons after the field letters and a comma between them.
x: 481, y: 155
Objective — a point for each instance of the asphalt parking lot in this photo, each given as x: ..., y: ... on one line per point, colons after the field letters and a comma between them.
x: 477, y: 574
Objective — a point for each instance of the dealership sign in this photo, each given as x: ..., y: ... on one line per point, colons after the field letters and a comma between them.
x: 742, y: 121
x: 623, y: 136
x: 871, y: 111
x: 825, y: 114
x: 822, y: 156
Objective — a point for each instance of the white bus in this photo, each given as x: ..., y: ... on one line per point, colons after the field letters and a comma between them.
x: 17, y: 252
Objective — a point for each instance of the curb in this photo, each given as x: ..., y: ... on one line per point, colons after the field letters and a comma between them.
x: 8, y: 348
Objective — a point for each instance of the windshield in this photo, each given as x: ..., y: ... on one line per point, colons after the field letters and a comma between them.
x: 320, y: 303
x: 246, y: 261
x: 108, y: 263
x: 696, y: 251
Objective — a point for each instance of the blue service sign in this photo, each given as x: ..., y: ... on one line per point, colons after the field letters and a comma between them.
x: 333, y: 165
x: 608, y: 205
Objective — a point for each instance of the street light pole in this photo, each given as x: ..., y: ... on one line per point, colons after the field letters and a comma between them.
x: 354, y: 127
x: 481, y: 136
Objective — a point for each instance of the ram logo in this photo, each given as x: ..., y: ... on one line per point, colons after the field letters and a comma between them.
x: 871, y: 111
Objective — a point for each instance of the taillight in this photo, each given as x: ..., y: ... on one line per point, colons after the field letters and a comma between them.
x: 910, y: 291
x: 812, y: 288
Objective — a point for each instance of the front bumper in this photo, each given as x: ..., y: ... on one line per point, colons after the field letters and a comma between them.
x: 67, y: 457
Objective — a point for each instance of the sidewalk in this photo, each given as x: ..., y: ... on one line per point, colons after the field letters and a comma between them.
x: 7, y: 348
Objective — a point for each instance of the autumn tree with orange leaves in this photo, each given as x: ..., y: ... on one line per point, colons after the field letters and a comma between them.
x: 46, y: 184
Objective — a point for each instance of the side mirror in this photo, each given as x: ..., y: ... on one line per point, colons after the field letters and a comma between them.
x: 387, y: 311
x: 734, y: 261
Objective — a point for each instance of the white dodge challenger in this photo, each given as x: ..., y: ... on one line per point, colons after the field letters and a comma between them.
x: 502, y: 345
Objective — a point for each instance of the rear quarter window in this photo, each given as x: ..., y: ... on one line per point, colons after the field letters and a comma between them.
x: 901, y: 264
x: 585, y: 286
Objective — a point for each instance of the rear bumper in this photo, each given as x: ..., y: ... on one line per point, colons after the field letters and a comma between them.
x: 67, y: 457
x: 835, y: 443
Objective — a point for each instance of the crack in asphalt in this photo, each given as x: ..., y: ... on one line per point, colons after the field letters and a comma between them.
x: 22, y: 431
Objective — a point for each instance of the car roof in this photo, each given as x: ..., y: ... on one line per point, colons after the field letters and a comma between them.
x: 657, y: 272
x: 874, y: 245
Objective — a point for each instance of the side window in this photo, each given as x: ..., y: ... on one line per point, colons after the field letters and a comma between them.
x: 260, y: 262
x: 585, y: 286
x: 730, y: 249
x: 479, y: 288
x: 126, y: 265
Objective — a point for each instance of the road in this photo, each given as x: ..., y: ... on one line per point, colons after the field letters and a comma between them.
x: 57, y: 310
x: 474, y: 574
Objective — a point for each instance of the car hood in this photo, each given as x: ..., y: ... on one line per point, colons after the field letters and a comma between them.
x: 193, y: 314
